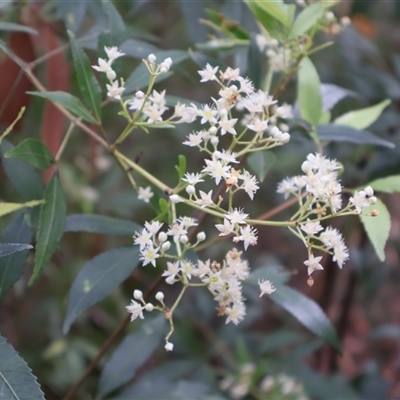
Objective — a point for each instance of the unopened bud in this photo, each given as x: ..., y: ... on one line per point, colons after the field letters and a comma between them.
x: 369, y: 191
x: 138, y: 295
x: 139, y: 94
x: 175, y: 198
x: 151, y: 58
x: 374, y: 213
x: 213, y: 130
x: 165, y: 246
x: 162, y: 237
x: 201, y: 236
x: 149, y: 307
x: 310, y: 281
x: 214, y: 141
x: 111, y: 75
x: 190, y: 189
x: 184, y: 239
x: 160, y: 296
x: 169, y: 346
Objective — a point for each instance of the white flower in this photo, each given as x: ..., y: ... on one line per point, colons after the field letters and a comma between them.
x: 115, y: 90
x: 311, y: 227
x: 248, y: 235
x: 249, y: 183
x: 359, y: 201
x: 208, y: 73
x: 216, y: 169
x: 235, y: 313
x: 135, y: 309
x: 193, y: 179
x: 194, y: 139
x: 226, y: 229
x: 237, y: 216
x: 208, y: 115
x: 313, y: 263
x: 206, y: 199
x: 153, y: 227
x: 173, y: 270
x: 143, y: 239
x: 176, y: 230
x: 104, y: 66
x: 113, y: 53
x: 149, y: 255
x: 258, y: 125
x: 266, y: 287
x: 145, y: 194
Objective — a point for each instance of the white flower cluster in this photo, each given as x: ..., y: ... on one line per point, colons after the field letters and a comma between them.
x: 283, y: 387
x: 115, y: 88
x: 154, y: 244
x: 321, y: 187
x: 279, y: 57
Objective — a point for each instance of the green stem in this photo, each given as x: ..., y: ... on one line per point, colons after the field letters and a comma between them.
x: 65, y: 141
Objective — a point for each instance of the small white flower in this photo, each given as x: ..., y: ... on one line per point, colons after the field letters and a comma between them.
x: 149, y: 255
x: 145, y: 194
x: 113, y: 53
x: 208, y: 73
x: 115, y: 90
x: 237, y: 216
x: 135, y: 309
x: 248, y: 235
x: 266, y: 287
x: 205, y: 200
x: 313, y: 263
x: 192, y: 179
x: 311, y: 227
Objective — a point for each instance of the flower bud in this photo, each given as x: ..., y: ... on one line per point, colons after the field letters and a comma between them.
x: 168, y: 61
x: 175, y: 198
x: 162, y: 237
x: 149, y: 307
x: 214, y: 141
x: 138, y: 295
x: 163, y: 69
x: 284, y: 137
x: 165, y: 246
x: 139, y: 94
x: 169, y: 346
x: 111, y: 75
x: 151, y: 58
x: 190, y: 190
x: 213, y: 130
x: 369, y: 191
x: 201, y: 236
x: 160, y: 296
x: 184, y: 239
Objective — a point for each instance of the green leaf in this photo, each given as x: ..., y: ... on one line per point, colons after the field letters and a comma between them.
x: 308, y: 92
x: 307, y: 312
x: 254, y: 63
x: 12, y: 27
x: 10, y: 128
x: 116, y: 26
x: 88, y: 85
x: 32, y: 151
x: 269, y: 23
x: 342, y: 133
x: 22, y: 176
x: 51, y: 226
x: 8, y: 208
x: 9, y: 248
x: 138, y: 49
x: 276, y: 9
x: 363, y: 118
x: 390, y: 184
x: 260, y: 162
x: 17, y: 380
x: 130, y: 355
x: 307, y: 19
x: 100, y: 224
x: 98, y: 278
x: 377, y: 228
x: 11, y: 266
x: 71, y: 103
x: 181, y: 167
